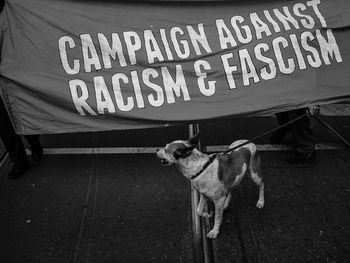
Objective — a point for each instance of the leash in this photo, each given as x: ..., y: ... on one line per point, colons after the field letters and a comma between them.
x: 205, y: 166
x: 216, y: 155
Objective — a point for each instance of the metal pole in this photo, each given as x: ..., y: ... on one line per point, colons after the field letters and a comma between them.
x: 196, y: 223
x: 335, y: 133
x: 203, y: 246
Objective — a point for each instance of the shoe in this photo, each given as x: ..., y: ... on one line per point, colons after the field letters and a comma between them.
x: 301, y: 157
x: 37, y: 152
x: 277, y: 136
x: 18, y: 169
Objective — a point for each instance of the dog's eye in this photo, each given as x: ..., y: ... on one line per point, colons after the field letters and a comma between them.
x: 177, y: 154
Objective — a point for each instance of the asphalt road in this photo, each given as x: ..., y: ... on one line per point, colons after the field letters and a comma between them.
x: 90, y: 208
x: 305, y: 219
x: 128, y: 208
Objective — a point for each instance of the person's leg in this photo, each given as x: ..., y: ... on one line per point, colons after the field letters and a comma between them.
x: 303, y: 135
x: 13, y: 144
x: 35, y: 146
x: 278, y: 135
x: 302, y: 131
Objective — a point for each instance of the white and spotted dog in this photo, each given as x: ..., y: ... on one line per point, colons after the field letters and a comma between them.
x: 216, y: 179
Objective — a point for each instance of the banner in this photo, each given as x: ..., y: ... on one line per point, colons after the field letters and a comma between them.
x: 74, y: 66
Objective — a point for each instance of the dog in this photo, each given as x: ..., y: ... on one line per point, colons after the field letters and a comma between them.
x: 214, y: 177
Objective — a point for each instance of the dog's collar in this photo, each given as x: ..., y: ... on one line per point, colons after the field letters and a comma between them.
x: 205, y: 166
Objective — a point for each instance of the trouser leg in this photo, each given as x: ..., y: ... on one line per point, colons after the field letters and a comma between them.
x: 283, y: 117
x: 12, y: 142
x: 278, y: 135
x: 33, y: 140
x: 302, y: 131
x: 35, y: 147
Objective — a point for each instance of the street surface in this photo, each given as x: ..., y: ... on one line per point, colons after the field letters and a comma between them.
x: 129, y: 208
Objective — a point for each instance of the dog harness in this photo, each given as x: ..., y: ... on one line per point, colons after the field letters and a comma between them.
x: 205, y: 166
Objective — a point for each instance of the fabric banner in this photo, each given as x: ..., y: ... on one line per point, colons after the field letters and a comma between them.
x: 80, y: 65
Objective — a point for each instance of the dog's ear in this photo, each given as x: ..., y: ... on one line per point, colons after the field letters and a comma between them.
x: 194, y: 139
x: 183, y: 152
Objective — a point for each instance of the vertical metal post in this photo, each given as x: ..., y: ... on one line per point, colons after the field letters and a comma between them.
x: 196, y: 223
x: 202, y: 246
x: 333, y: 131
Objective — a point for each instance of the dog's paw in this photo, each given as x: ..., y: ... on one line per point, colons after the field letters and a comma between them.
x: 206, y: 214
x: 212, y: 234
x: 260, y: 204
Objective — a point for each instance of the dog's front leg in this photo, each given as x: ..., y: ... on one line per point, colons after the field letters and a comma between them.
x: 200, y: 209
x: 227, y: 201
x: 219, y: 210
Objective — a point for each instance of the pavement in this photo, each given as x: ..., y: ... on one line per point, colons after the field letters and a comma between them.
x: 129, y: 208
x: 305, y: 219
x: 104, y: 208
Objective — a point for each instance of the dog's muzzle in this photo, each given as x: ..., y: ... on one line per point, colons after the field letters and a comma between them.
x: 164, y: 161
x: 160, y: 155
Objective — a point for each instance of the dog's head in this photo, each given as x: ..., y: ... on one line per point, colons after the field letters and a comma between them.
x: 176, y: 150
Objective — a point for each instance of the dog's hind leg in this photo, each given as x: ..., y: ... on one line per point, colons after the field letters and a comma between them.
x: 255, y: 173
x: 200, y: 208
x: 219, y: 210
x: 260, y: 184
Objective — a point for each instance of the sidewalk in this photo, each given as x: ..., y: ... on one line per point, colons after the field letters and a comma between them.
x: 122, y: 208
x: 128, y: 208
x: 305, y: 219
x: 96, y: 209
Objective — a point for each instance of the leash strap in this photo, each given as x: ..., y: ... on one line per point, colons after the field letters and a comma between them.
x: 205, y: 166
x: 214, y: 156
x: 264, y: 134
